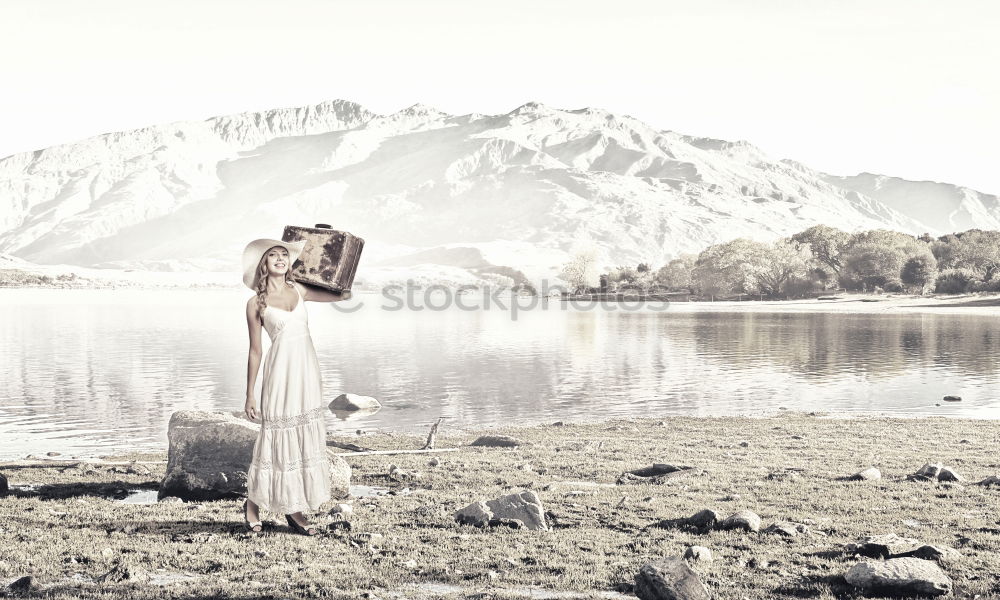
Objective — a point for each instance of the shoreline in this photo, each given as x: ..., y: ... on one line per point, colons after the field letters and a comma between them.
x: 968, y: 304
x: 483, y: 429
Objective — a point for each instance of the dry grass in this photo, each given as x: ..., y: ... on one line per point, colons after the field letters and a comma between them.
x: 73, y: 533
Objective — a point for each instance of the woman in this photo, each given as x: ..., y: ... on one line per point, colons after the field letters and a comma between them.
x: 289, y: 471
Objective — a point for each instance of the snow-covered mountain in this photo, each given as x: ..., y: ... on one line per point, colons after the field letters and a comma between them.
x: 427, y: 190
x: 938, y: 207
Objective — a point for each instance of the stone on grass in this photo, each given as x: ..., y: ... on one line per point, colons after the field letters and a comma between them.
x: 497, y: 441
x: 124, y: 573
x: 20, y: 585
x: 354, y: 402
x: 4, y: 486
x: 991, y: 480
x: 952, y: 398
x: 477, y: 514
x: 698, y: 554
x: 783, y: 528
x: 744, y: 519
x: 524, y: 506
x: 669, y: 579
x: 657, y: 469
x: 936, y: 553
x: 869, y: 474
x: 209, y: 454
x: 935, y: 472
x: 883, y: 546
x: 346, y: 510
x: 900, y: 577
x: 704, y: 519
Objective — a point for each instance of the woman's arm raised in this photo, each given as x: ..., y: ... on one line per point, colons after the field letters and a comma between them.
x: 253, y: 360
x: 318, y: 294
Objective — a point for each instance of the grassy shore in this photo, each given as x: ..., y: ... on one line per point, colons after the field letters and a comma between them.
x: 68, y: 532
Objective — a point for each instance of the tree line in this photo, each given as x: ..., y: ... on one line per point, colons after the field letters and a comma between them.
x: 818, y: 259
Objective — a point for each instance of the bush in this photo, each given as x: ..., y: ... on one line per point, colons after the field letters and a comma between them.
x: 955, y: 281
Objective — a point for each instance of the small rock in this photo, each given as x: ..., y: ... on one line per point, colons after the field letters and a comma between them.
x: 106, y: 552
x: 900, y: 577
x: 4, y: 486
x: 704, y: 519
x: 477, y: 514
x: 20, y: 585
x: 53, y: 454
x: 354, y: 402
x: 410, y: 564
x: 124, y: 573
x: 345, y: 510
x: 744, y: 519
x: 935, y: 472
x: 869, y: 474
x: 783, y: 528
x: 991, y: 480
x: 937, y: 553
x: 698, y: 554
x: 558, y: 424
x: 669, y: 578
x: 883, y: 546
x: 952, y: 398
x: 744, y: 444
x: 497, y: 441
x: 433, y: 462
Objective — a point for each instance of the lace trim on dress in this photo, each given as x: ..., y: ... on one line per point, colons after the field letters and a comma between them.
x: 305, y: 462
x: 295, y: 420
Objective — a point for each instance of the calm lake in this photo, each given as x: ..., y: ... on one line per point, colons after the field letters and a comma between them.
x: 89, y: 372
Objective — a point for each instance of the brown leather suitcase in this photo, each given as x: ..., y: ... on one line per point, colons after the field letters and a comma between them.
x: 329, y: 258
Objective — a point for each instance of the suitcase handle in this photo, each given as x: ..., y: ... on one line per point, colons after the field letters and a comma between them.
x: 322, y: 226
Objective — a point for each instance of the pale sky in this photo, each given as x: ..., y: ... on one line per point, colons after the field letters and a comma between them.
x: 900, y: 87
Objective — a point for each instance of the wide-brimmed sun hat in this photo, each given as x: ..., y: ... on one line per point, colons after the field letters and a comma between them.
x: 257, y: 248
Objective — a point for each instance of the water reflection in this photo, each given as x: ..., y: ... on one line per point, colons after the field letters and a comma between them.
x: 93, y: 372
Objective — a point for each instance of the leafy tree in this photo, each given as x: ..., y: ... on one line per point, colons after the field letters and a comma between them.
x: 827, y: 245
x: 919, y: 271
x: 780, y: 262
x: 581, y: 270
x: 875, y: 259
x: 677, y: 274
x: 978, y: 251
x: 955, y: 281
x: 750, y: 267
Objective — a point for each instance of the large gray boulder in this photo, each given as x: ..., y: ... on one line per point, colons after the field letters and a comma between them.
x: 669, y: 579
x: 209, y: 454
x: 525, y: 507
x: 900, y: 577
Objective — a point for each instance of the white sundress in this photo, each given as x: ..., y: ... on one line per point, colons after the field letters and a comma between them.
x: 290, y: 470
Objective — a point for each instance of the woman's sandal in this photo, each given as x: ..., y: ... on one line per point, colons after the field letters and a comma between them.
x: 309, y: 531
x: 252, y: 526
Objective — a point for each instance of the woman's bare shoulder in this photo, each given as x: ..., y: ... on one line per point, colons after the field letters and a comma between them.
x: 252, y: 306
x: 302, y: 289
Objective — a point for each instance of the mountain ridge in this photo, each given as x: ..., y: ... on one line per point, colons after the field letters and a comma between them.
x: 187, y: 195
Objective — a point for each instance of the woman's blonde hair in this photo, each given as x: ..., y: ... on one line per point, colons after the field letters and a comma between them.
x: 261, y: 278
